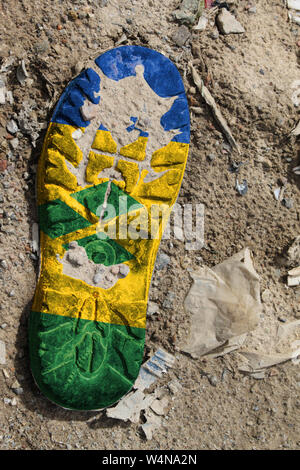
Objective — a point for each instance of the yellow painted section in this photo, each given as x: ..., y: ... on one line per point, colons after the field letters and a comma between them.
x: 96, y: 164
x: 103, y: 141
x: 135, y: 150
x: 126, y: 301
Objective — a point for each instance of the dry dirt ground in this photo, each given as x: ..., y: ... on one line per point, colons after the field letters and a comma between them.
x: 251, y: 77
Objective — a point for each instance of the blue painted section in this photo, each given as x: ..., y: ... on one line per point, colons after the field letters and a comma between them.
x: 68, y: 107
x: 133, y: 126
x: 159, y: 72
x: 161, y: 75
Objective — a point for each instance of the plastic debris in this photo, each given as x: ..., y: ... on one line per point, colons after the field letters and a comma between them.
x: 296, y: 170
x: 12, y: 127
x: 154, y: 405
x: 153, y: 422
x: 296, y: 130
x: 224, y: 303
x: 2, y: 353
x: 277, y: 192
x: 22, y: 73
x: 130, y: 407
x: 208, y: 98
x: 258, y: 363
x: 7, y: 64
x: 293, y: 4
x: 153, y: 369
x: 35, y: 238
x: 242, y: 188
x: 294, y: 277
x: 228, y: 24
x: 2, y: 92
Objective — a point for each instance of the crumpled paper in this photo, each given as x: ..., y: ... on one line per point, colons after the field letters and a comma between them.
x: 224, y: 303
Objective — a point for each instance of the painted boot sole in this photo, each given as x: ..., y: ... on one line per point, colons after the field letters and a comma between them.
x: 116, y: 147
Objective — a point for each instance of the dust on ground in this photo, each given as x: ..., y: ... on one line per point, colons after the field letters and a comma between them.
x: 252, y: 78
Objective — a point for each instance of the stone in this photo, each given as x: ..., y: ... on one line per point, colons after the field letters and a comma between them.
x: 2, y: 352
x: 181, y: 35
x: 228, y: 24
x: 162, y: 261
x: 152, y: 308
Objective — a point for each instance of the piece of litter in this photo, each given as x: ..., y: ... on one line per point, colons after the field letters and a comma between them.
x: 153, y: 422
x: 294, y: 277
x: 130, y: 407
x: 2, y: 353
x: 12, y: 127
x: 35, y: 238
x: 257, y: 363
x: 296, y: 170
x: 224, y: 303
x: 159, y: 406
x: 2, y: 92
x: 208, y: 98
x: 22, y: 73
x: 293, y: 4
x: 296, y: 130
x: 242, y: 188
x: 277, y: 192
x: 153, y: 369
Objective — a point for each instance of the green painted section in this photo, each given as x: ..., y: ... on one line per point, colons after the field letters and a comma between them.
x: 103, y: 251
x: 83, y: 364
x: 56, y: 219
x: 93, y: 198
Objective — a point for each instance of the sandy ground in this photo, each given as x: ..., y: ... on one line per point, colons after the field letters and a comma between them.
x: 251, y: 77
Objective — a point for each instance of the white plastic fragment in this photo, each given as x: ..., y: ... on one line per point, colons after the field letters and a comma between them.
x: 153, y: 422
x: 2, y: 92
x: 130, y: 407
x: 293, y: 4
x: 2, y: 352
x: 154, y: 405
x: 277, y: 193
x: 296, y: 170
x: 296, y: 130
x: 153, y: 369
x: 22, y: 73
x: 35, y: 238
x: 294, y: 277
x: 257, y: 363
x: 12, y: 127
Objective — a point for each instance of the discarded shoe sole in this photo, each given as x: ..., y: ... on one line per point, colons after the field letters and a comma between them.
x: 117, y: 144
